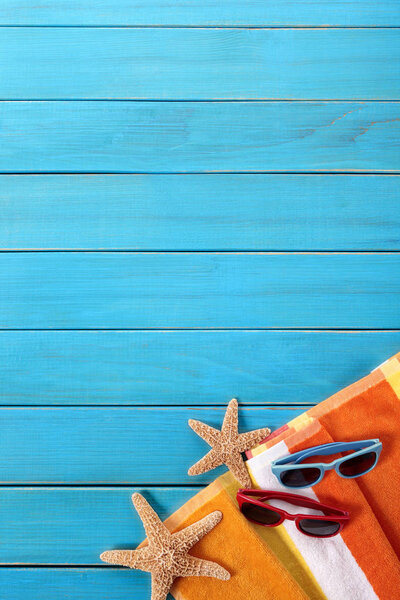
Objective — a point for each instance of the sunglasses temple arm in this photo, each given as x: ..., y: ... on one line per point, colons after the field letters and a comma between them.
x: 245, y: 492
x: 333, y: 448
x: 330, y: 511
x: 296, y: 500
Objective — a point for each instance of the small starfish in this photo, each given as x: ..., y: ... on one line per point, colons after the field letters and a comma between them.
x: 227, y: 445
x: 166, y: 554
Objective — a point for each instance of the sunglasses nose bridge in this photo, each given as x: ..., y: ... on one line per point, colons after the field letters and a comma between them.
x: 330, y: 465
x: 290, y: 517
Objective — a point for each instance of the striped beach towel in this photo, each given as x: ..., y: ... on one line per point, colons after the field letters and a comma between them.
x: 361, y: 563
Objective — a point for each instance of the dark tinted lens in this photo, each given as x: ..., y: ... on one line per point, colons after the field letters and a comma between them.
x: 357, y: 465
x: 319, y: 528
x: 300, y: 477
x: 260, y: 514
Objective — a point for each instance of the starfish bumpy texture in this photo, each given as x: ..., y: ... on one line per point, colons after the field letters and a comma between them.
x: 166, y: 555
x: 227, y: 445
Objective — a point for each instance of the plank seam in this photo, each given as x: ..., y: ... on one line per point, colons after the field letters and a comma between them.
x: 59, y: 566
x: 243, y: 405
x: 219, y: 172
x: 259, y: 251
x: 212, y: 26
x: 57, y: 486
x: 210, y: 329
x: 141, y: 100
x: 209, y: 173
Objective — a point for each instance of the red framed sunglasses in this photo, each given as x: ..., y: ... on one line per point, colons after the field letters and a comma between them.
x: 254, y: 506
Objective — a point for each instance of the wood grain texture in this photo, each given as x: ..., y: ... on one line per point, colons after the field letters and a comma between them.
x: 73, y: 526
x: 138, y: 382
x: 113, y: 445
x: 185, y: 367
x: 198, y: 136
x: 120, y: 290
x: 199, y: 64
x: 200, y: 212
x: 201, y: 12
x: 74, y: 584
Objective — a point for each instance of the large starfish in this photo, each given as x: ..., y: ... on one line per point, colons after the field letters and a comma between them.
x: 227, y: 445
x: 166, y: 554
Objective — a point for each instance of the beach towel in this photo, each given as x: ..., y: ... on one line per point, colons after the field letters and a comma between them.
x: 362, y: 562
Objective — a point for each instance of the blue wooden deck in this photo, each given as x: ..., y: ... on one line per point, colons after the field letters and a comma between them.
x: 198, y: 201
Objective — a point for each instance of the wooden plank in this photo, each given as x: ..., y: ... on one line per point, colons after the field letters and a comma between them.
x: 198, y: 212
x: 74, y: 584
x: 201, y: 13
x: 79, y: 290
x: 185, y: 367
x: 198, y: 136
x: 199, y: 64
x: 113, y: 445
x: 73, y: 526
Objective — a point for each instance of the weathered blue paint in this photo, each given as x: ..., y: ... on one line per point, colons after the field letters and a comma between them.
x: 113, y: 445
x: 201, y: 13
x: 177, y: 367
x: 74, y: 584
x: 336, y: 123
x: 197, y: 212
x: 73, y: 526
x: 150, y: 137
x: 199, y: 64
x: 49, y: 290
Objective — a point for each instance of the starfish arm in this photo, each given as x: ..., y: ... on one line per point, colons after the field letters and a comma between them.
x: 205, y: 568
x: 248, y: 440
x: 208, y: 433
x: 231, y: 420
x: 125, y: 558
x: 155, y: 529
x: 238, y: 468
x: 210, y: 461
x: 161, y: 582
x: 188, y: 537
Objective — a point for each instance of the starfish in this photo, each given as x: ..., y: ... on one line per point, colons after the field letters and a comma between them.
x: 166, y: 554
x: 227, y: 445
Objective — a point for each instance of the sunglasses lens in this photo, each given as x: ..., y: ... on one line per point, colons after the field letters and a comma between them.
x: 300, y: 477
x: 319, y: 528
x: 357, y: 465
x: 261, y: 515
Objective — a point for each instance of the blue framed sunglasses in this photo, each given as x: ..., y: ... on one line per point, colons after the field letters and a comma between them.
x: 291, y: 473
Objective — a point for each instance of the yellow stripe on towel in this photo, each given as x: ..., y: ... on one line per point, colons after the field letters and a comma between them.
x: 391, y: 370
